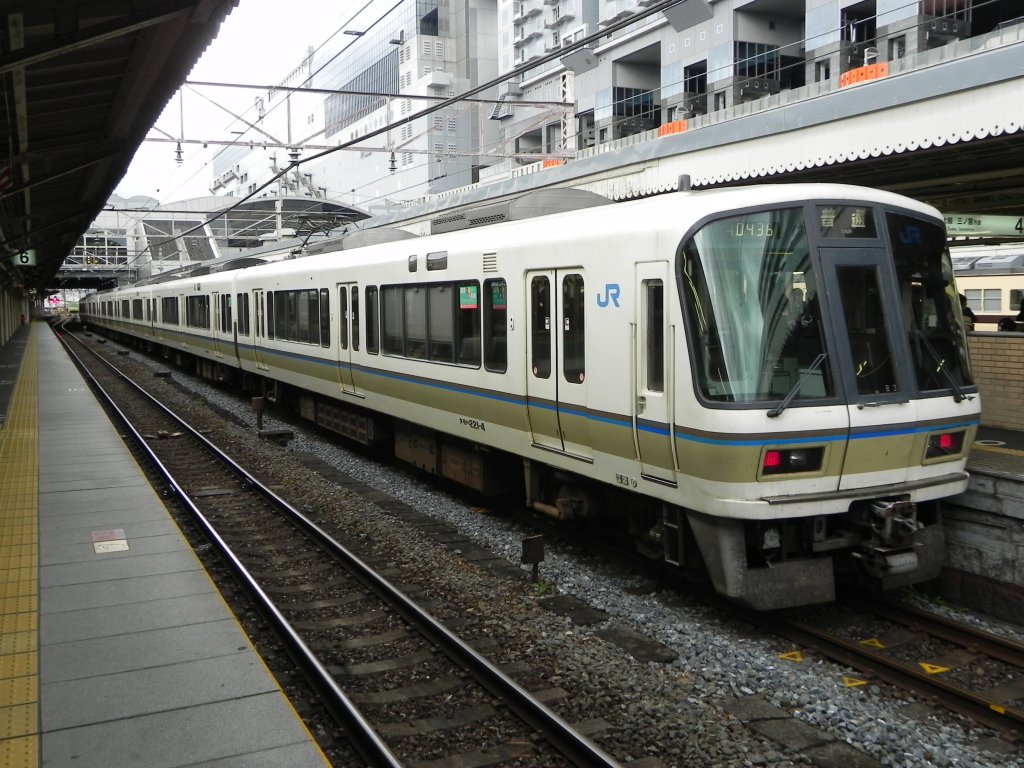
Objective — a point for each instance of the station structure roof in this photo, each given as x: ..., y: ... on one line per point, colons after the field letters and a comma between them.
x: 82, y: 82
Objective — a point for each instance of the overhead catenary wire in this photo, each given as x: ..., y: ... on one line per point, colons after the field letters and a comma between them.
x: 444, y: 102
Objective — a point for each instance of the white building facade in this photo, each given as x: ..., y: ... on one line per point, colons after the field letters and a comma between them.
x: 391, y: 63
x: 644, y: 64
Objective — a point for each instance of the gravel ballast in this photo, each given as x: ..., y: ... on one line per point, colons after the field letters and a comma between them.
x: 692, y: 710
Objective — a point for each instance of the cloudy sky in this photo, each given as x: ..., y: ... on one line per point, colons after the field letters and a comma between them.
x: 260, y: 42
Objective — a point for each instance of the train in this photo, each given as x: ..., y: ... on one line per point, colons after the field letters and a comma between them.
x: 991, y: 278
x: 767, y: 387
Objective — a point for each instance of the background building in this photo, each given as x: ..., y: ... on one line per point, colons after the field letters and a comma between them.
x: 373, y: 115
x: 391, y: 63
x: 352, y: 112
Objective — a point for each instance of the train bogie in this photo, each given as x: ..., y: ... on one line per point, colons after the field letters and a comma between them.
x: 769, y: 382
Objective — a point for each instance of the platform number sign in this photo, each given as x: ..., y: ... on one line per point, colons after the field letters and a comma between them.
x: 24, y: 259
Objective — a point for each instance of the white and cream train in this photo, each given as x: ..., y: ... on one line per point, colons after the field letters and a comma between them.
x: 769, y: 383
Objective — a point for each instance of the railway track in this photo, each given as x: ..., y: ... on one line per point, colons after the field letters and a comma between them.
x: 405, y: 688
x: 948, y: 663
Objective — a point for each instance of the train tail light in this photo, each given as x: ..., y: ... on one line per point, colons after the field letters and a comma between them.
x: 943, y: 444
x: 780, y: 461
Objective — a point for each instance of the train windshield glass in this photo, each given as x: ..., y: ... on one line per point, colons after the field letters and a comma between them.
x: 930, y: 304
x: 751, y: 294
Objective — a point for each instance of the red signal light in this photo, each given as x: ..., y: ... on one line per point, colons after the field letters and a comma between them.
x: 772, y: 459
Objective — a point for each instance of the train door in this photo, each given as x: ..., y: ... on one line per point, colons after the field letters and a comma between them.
x: 348, y: 336
x: 183, y: 321
x: 874, y: 375
x: 653, y: 417
x: 259, y: 330
x: 216, y: 316
x: 556, y: 391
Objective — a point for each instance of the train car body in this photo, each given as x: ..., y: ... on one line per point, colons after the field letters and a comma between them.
x: 766, y: 383
x: 992, y: 281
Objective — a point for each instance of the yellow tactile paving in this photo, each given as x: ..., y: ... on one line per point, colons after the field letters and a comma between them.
x: 19, y: 560
x: 997, y: 449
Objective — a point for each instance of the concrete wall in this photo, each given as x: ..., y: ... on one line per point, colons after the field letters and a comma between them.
x: 998, y: 363
x: 984, y: 530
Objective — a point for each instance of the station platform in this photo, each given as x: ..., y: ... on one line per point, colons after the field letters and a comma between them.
x: 998, y: 451
x: 116, y: 648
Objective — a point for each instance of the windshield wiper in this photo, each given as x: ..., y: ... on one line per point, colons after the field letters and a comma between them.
x: 958, y: 393
x: 777, y: 410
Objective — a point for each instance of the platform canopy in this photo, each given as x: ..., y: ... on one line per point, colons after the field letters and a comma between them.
x: 82, y: 82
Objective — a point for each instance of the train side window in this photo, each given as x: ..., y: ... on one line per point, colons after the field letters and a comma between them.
x: 169, y: 310
x: 415, y: 325
x: 441, y: 310
x: 355, y: 320
x: 372, y: 319
x: 300, y: 331
x: 343, y: 317
x: 468, y: 323
x: 289, y: 329
x: 277, y: 320
x: 325, y: 317
x: 391, y: 319
x: 277, y: 313
x: 574, y: 361
x: 197, y: 311
x: 540, y: 326
x: 654, y: 333
x: 495, y: 325
x: 1016, y: 299
x: 225, y: 313
x: 992, y: 300
x: 242, y: 300
x: 973, y: 298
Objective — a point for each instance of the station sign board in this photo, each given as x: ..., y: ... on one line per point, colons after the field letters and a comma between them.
x: 983, y: 224
x: 24, y: 258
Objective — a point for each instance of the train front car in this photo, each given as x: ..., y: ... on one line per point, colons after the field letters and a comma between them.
x: 831, y: 368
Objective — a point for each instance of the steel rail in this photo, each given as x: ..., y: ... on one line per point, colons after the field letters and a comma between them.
x: 868, y: 660
x: 1000, y: 648
x: 365, y: 739
x: 579, y: 749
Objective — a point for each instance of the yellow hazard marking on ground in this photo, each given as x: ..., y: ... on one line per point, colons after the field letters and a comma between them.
x: 853, y: 682
x: 997, y: 449
x: 792, y: 656
x: 873, y: 642
x: 19, y: 579
x: 933, y: 669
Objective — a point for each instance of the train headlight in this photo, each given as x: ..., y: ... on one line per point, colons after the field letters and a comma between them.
x: 780, y: 461
x: 944, y: 444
